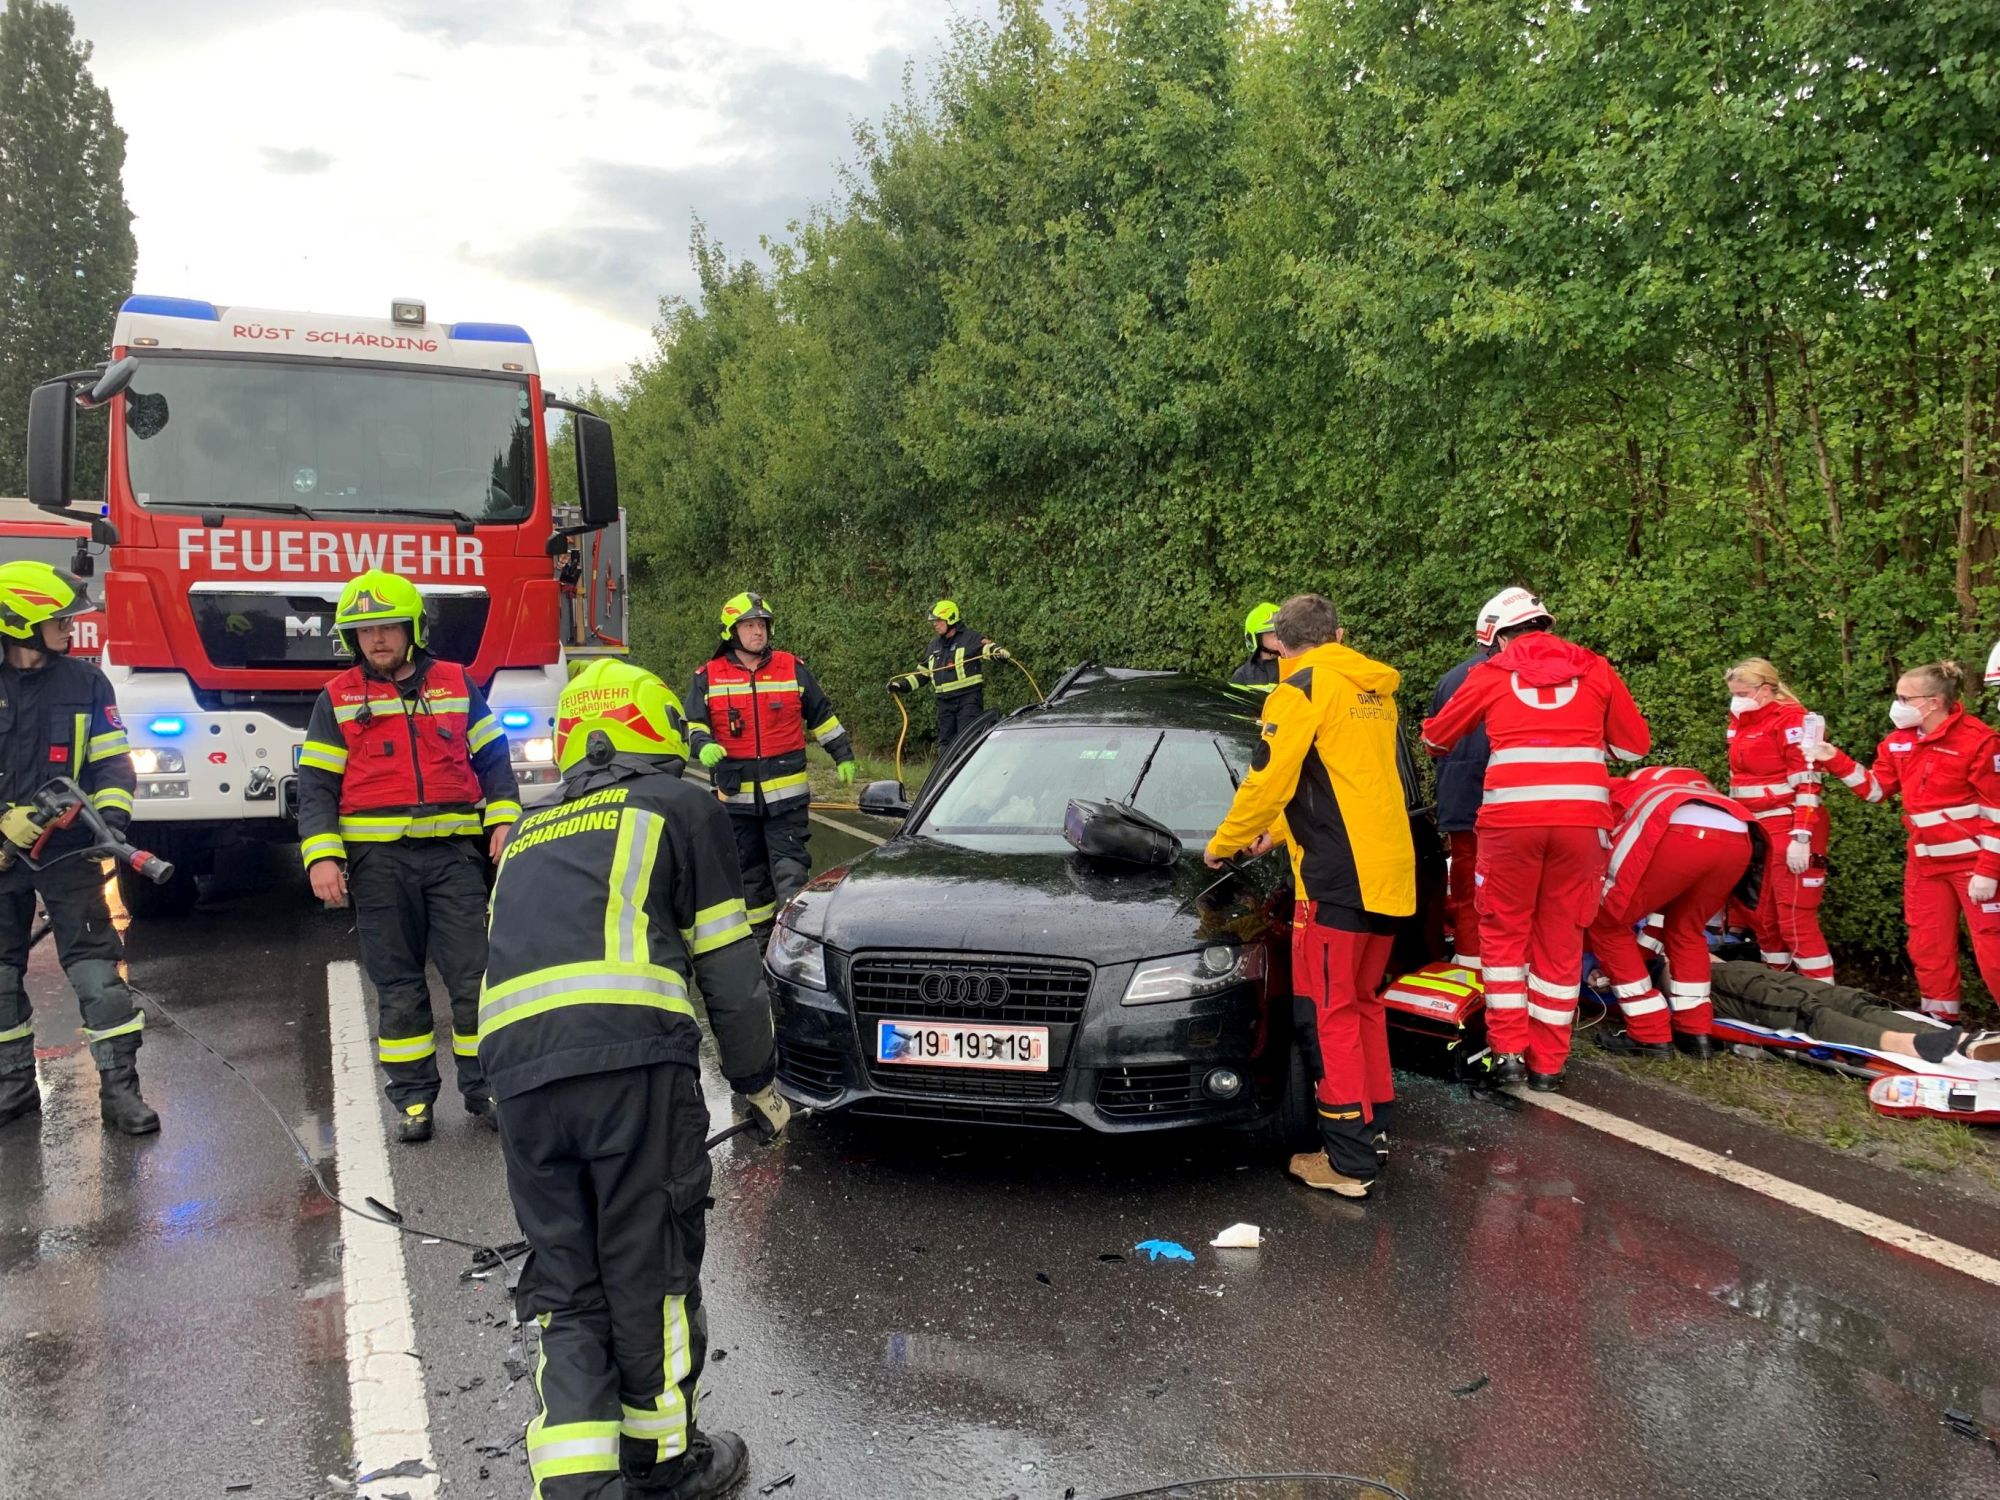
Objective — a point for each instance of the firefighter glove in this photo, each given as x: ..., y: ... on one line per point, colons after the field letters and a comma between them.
x: 1798, y: 858
x: 712, y: 755
x: 20, y: 827
x: 1982, y: 888
x: 1000, y: 653
x: 902, y: 684
x: 847, y: 769
x: 769, y: 1109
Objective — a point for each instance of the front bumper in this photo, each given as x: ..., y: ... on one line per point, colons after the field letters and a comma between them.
x: 1116, y: 1069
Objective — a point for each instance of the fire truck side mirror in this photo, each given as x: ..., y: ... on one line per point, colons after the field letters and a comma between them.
x: 112, y: 381
x: 51, y: 444
x: 596, y: 470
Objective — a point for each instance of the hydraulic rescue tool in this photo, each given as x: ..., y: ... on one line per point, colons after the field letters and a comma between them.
x: 60, y: 805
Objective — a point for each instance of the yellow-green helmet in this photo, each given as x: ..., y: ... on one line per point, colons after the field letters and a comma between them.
x: 635, y: 712
x: 31, y: 592
x: 1257, y: 622
x: 946, y: 611
x: 743, y: 607
x: 379, y: 598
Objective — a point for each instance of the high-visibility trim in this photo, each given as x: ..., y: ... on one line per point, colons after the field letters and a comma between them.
x: 747, y: 689
x: 1939, y: 815
x: 323, y: 846
x: 1630, y: 991
x: 1807, y: 799
x: 761, y: 914
x: 1648, y: 1007
x: 1773, y: 812
x: 376, y: 828
x: 717, y: 927
x: 1550, y: 1017
x: 131, y: 1027
x: 627, y: 927
x: 1759, y: 789
x: 24, y: 1032
x: 676, y: 1412
x: 445, y: 706
x: 1558, y: 792
x: 1506, y: 1002
x: 1554, y: 991
x: 1626, y: 755
x: 482, y: 734
x: 961, y: 684
x: 1546, y: 755
x: 1442, y: 986
x: 595, y: 982
x: 111, y: 799
x: 1857, y: 777
x: 405, y: 1049
x: 107, y: 746
x: 79, y: 738
x: 501, y: 810
x: 1494, y: 972
x: 1687, y: 997
x: 324, y: 757
x: 1802, y: 778
x: 777, y: 789
x: 1946, y: 851
x: 829, y: 730
x: 463, y: 1045
x: 1777, y: 960
x: 559, y: 1449
x: 1815, y: 968
x: 389, y: 707
x: 699, y: 726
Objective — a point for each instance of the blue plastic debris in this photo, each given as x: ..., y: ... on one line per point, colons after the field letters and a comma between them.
x: 1157, y: 1250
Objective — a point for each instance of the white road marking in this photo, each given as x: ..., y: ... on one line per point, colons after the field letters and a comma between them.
x: 853, y: 833
x: 390, y: 1413
x: 1860, y: 1220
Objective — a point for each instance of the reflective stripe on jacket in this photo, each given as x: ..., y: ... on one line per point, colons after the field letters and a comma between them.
x: 1949, y: 781
x: 1646, y: 802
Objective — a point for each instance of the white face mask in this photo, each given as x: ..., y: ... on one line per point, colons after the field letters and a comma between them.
x: 1905, y: 715
x: 1738, y: 704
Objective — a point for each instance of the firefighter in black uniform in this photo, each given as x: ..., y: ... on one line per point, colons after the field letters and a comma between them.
x: 1259, y: 670
x: 57, y: 718
x: 608, y: 906
x: 954, y: 664
x: 749, y: 713
x: 399, y: 753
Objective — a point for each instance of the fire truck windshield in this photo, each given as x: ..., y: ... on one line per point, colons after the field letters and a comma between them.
x: 328, y: 439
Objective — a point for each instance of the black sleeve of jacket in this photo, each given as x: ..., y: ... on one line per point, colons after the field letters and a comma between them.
x: 319, y: 791
x: 492, y: 762
x: 695, y: 706
x: 111, y: 770
x: 705, y: 876
x: 818, y: 709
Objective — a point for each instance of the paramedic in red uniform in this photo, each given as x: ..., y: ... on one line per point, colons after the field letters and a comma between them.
x: 1461, y: 776
x: 1771, y: 776
x: 1552, y: 712
x: 1945, y: 765
x: 1679, y: 849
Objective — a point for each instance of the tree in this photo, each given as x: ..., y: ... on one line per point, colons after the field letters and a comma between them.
x: 66, y: 245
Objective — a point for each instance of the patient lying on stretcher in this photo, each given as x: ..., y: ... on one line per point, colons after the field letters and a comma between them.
x: 1842, y: 1016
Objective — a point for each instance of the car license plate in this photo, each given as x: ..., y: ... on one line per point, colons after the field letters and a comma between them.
x: 952, y: 1044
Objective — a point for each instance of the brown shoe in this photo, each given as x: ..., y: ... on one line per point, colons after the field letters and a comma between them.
x: 1315, y: 1171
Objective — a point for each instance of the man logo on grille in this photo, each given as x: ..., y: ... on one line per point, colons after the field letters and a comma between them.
x: 937, y: 988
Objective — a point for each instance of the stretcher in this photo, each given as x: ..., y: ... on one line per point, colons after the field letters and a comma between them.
x: 1955, y: 1090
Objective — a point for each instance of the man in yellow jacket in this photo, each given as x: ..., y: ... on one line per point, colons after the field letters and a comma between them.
x: 1325, y: 781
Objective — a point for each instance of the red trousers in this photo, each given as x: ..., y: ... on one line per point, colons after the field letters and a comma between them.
x: 1932, y: 901
x: 1787, y: 917
x: 1687, y: 882
x: 1462, y: 914
x: 1341, y: 974
x: 1539, y: 888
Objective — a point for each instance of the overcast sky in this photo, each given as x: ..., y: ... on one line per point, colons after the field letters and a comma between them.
x: 524, y: 161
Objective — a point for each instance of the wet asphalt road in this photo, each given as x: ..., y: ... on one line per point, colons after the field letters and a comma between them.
x: 1530, y: 1309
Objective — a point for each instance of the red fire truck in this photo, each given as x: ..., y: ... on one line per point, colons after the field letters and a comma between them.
x: 259, y: 459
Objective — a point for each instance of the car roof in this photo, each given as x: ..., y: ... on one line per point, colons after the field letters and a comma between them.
x: 1095, y: 695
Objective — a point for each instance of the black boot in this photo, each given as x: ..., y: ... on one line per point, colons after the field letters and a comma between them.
x: 19, y: 1095
x: 480, y: 1107
x: 714, y: 1461
x: 1546, y: 1083
x: 119, y: 1102
x: 414, y: 1125
x: 1700, y: 1048
x: 1624, y: 1044
x: 1507, y: 1067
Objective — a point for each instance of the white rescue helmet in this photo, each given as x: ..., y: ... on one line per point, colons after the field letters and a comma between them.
x: 1505, y: 610
x: 1993, y: 666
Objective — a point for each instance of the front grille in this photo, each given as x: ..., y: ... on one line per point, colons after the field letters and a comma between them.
x: 809, y: 1066
x: 1156, y: 1091
x: 970, y: 1083
x: 963, y: 1112
x: 1001, y: 989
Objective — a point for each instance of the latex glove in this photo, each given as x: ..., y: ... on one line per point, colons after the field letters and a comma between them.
x: 999, y: 653
x: 712, y: 755
x: 1820, y: 752
x: 1982, y: 888
x: 847, y: 770
x: 901, y: 684
x: 20, y: 828
x: 771, y: 1112
x: 1798, y: 856
x: 329, y: 881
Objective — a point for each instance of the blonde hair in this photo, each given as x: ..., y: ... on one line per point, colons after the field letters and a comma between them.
x: 1759, y: 673
x: 1946, y: 679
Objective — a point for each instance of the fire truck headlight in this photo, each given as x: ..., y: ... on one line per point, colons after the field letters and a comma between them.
x: 541, y: 748
x: 148, y: 761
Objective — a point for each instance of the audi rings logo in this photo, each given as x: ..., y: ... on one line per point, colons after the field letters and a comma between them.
x: 938, y: 988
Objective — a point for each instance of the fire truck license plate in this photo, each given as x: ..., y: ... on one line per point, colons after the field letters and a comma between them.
x: 952, y: 1044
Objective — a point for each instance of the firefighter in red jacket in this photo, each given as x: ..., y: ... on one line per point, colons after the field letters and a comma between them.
x: 1771, y: 775
x: 1679, y: 849
x: 749, y: 712
x: 1945, y: 765
x: 399, y: 754
x: 1552, y: 712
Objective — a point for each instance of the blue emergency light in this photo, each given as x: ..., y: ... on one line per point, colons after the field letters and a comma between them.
x: 166, y: 728
x: 516, y: 718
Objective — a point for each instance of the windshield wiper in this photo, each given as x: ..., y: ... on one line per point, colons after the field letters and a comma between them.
x: 1129, y: 796
x: 422, y: 512
x: 271, y: 507
x: 1234, y: 784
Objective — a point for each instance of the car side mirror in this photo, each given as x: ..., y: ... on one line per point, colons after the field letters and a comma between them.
x: 885, y: 799
x: 51, y: 444
x: 596, y: 470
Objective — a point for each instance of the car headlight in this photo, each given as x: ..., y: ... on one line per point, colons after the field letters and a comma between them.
x: 798, y: 958
x: 148, y: 761
x: 1187, y: 975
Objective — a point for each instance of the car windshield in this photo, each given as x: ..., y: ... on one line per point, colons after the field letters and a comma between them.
x: 328, y: 439
x: 1012, y: 792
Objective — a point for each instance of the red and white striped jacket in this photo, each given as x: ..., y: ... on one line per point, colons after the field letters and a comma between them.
x: 1552, y: 711
x: 1646, y: 802
x: 1768, y: 770
x: 1949, y: 781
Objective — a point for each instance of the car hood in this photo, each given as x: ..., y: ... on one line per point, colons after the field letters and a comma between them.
x: 922, y: 893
